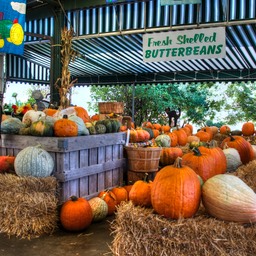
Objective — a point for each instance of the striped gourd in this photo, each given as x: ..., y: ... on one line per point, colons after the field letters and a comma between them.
x: 33, y: 161
x: 99, y: 208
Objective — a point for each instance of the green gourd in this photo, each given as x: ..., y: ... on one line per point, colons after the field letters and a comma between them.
x: 100, y: 128
x: 11, y: 125
x: 82, y: 130
x: 33, y: 161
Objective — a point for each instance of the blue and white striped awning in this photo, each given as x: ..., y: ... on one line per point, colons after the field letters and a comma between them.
x: 109, y: 39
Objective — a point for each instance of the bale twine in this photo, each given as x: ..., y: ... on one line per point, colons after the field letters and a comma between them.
x: 139, y: 231
x: 28, y: 206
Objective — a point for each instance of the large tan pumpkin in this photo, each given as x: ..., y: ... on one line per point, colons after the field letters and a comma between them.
x: 228, y: 198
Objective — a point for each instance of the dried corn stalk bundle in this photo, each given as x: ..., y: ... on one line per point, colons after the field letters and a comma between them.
x: 68, y: 54
x: 139, y: 232
x: 28, y: 206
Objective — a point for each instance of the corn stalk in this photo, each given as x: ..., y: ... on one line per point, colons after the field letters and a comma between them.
x: 64, y: 84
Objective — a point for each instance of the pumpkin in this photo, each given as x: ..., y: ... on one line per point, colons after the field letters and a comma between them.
x: 149, y: 130
x: 165, y: 128
x: 228, y: 198
x: 128, y: 188
x: 176, y: 191
x: 203, y: 135
x: 147, y: 124
x: 41, y: 128
x: 248, y: 129
x: 225, y: 129
x: 208, y: 129
x: 193, y: 138
x: 65, y: 127
x: 156, y: 132
x: 190, y: 126
x: 82, y: 130
x: 32, y: 116
x: 82, y: 113
x: 233, y: 158
x: 50, y: 111
x: 243, y: 147
x: 76, y: 214
x: 133, y: 136
x: 169, y: 155
x: 140, y: 193
x: 174, y: 138
x: 218, y: 155
x: 7, y: 164
x: 202, y: 163
x: 11, y: 125
x: 182, y: 136
x: 120, y: 193
x: 143, y: 135
x: 110, y: 198
x: 157, y: 126
x: 33, y: 161
x: 99, y: 209
x: 163, y: 140
x: 100, y: 128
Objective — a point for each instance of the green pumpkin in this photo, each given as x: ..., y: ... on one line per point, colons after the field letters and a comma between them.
x: 100, y: 128
x: 33, y: 161
x: 108, y: 125
x: 41, y: 128
x: 11, y: 125
x: 115, y: 125
x: 92, y: 130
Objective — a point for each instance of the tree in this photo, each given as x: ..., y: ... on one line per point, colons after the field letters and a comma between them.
x: 150, y: 101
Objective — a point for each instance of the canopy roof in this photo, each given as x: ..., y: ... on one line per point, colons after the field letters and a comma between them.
x: 109, y: 39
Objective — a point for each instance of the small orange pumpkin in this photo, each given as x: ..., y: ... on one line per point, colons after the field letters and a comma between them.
x: 169, y: 155
x: 225, y: 129
x: 120, y: 193
x: 248, y: 129
x: 65, y: 127
x: 76, y: 214
x: 110, y: 198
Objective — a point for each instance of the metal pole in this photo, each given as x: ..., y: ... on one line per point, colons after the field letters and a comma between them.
x: 2, y: 87
x: 133, y: 98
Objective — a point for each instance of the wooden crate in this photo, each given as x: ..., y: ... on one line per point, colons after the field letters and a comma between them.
x: 84, y: 165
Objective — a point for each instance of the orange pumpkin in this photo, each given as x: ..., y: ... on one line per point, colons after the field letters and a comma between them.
x: 147, y: 124
x: 50, y: 111
x: 174, y: 138
x: 248, y: 129
x: 208, y: 130
x: 156, y: 132
x: 203, y: 136
x: 176, y: 191
x: 243, y: 147
x: 140, y: 193
x: 157, y: 126
x: 133, y: 136
x: 65, y: 127
x: 225, y: 129
x: 169, y: 155
x: 76, y: 214
x: 120, y: 193
x: 165, y: 128
x: 190, y: 126
x: 202, y: 163
x: 182, y: 137
x: 82, y: 113
x: 110, y: 198
x: 7, y: 164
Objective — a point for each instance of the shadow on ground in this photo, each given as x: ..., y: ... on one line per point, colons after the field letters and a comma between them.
x: 94, y: 241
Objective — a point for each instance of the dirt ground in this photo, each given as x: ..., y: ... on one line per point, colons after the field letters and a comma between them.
x: 94, y: 241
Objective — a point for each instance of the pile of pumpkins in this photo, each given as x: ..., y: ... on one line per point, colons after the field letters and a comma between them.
x: 70, y: 122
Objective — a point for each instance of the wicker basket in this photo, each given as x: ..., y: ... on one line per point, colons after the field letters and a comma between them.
x: 143, y: 159
x: 111, y: 107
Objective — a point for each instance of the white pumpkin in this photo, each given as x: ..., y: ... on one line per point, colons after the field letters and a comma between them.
x: 82, y: 130
x: 33, y: 161
x: 233, y: 159
x: 99, y: 208
x: 32, y: 116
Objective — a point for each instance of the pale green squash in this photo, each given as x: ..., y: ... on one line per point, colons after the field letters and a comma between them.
x: 33, y: 161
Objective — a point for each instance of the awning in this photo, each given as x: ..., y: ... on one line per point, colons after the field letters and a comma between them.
x: 109, y: 39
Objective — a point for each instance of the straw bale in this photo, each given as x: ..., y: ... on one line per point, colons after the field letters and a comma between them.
x: 247, y: 173
x: 28, y: 205
x: 138, y: 231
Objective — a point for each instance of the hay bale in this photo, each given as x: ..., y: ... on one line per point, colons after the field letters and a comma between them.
x: 138, y: 231
x: 247, y: 173
x: 28, y: 205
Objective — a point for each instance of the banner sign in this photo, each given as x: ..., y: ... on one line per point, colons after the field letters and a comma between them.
x: 12, y: 20
x: 185, y: 45
x: 174, y: 2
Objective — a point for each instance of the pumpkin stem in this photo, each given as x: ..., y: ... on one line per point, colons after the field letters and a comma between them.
x: 196, y: 151
x: 146, y: 177
x: 231, y: 137
x: 177, y: 163
x: 74, y: 198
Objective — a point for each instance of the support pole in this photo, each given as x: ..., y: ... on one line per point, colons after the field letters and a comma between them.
x: 2, y: 87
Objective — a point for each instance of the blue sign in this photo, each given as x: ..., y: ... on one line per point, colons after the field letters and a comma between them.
x: 174, y: 2
x: 12, y: 20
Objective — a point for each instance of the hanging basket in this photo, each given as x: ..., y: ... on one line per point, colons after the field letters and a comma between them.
x: 143, y: 159
x: 111, y: 107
